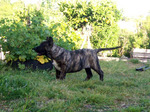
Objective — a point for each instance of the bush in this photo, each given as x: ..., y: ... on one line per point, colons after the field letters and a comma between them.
x: 64, y: 36
x: 132, y: 40
x: 20, y: 35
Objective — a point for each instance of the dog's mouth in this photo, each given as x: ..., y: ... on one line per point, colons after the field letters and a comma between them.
x: 39, y: 54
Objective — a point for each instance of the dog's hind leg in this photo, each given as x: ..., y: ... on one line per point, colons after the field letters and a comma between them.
x: 97, y: 68
x: 100, y: 72
x: 89, y: 73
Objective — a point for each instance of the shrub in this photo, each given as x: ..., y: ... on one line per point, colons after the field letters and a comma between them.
x: 65, y: 36
x: 20, y: 35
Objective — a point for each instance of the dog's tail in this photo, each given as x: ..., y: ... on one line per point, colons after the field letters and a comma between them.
x: 103, y: 49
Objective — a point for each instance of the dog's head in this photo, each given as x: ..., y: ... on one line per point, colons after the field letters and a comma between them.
x: 45, y: 47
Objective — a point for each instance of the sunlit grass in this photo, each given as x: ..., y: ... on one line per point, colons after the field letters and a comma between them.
x: 123, y: 89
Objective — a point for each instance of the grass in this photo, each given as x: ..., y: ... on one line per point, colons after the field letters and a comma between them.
x: 123, y: 90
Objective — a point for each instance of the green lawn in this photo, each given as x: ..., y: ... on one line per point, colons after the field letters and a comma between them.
x: 123, y: 90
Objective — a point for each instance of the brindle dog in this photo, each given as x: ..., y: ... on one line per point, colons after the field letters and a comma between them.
x: 71, y: 61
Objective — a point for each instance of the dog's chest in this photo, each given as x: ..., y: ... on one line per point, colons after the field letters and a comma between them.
x: 56, y: 65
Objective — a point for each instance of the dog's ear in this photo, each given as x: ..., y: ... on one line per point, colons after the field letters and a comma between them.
x: 50, y: 40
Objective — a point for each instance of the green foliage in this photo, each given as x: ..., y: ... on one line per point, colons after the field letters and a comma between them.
x: 19, y: 36
x: 81, y: 13
x: 138, y: 39
x: 77, y: 14
x: 28, y: 28
x: 106, y: 31
x: 5, y: 9
x: 65, y: 36
x: 103, y: 17
x: 21, y: 66
x: 146, y: 27
x: 130, y: 40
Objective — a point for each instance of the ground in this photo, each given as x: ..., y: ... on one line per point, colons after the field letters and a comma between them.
x: 123, y: 90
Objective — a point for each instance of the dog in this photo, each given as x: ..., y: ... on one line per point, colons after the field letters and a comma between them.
x: 66, y: 61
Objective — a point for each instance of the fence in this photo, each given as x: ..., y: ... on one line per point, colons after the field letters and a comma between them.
x: 141, y: 54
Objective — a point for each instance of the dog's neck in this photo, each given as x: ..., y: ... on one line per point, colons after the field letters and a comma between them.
x: 56, y: 51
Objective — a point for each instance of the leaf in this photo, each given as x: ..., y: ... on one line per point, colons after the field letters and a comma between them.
x: 22, y: 58
x: 42, y: 59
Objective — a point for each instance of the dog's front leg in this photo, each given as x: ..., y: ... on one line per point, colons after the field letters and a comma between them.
x: 57, y: 74
x: 62, y: 75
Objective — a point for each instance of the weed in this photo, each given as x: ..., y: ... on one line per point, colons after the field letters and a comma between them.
x: 123, y: 90
x: 135, y: 61
x: 12, y: 87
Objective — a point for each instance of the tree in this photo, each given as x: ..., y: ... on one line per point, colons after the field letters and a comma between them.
x: 5, y: 9
x: 146, y: 26
x: 102, y: 16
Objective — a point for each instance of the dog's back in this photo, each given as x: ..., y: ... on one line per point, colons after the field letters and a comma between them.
x: 77, y: 59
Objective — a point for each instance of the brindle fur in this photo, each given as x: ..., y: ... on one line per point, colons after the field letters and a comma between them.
x: 71, y: 61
